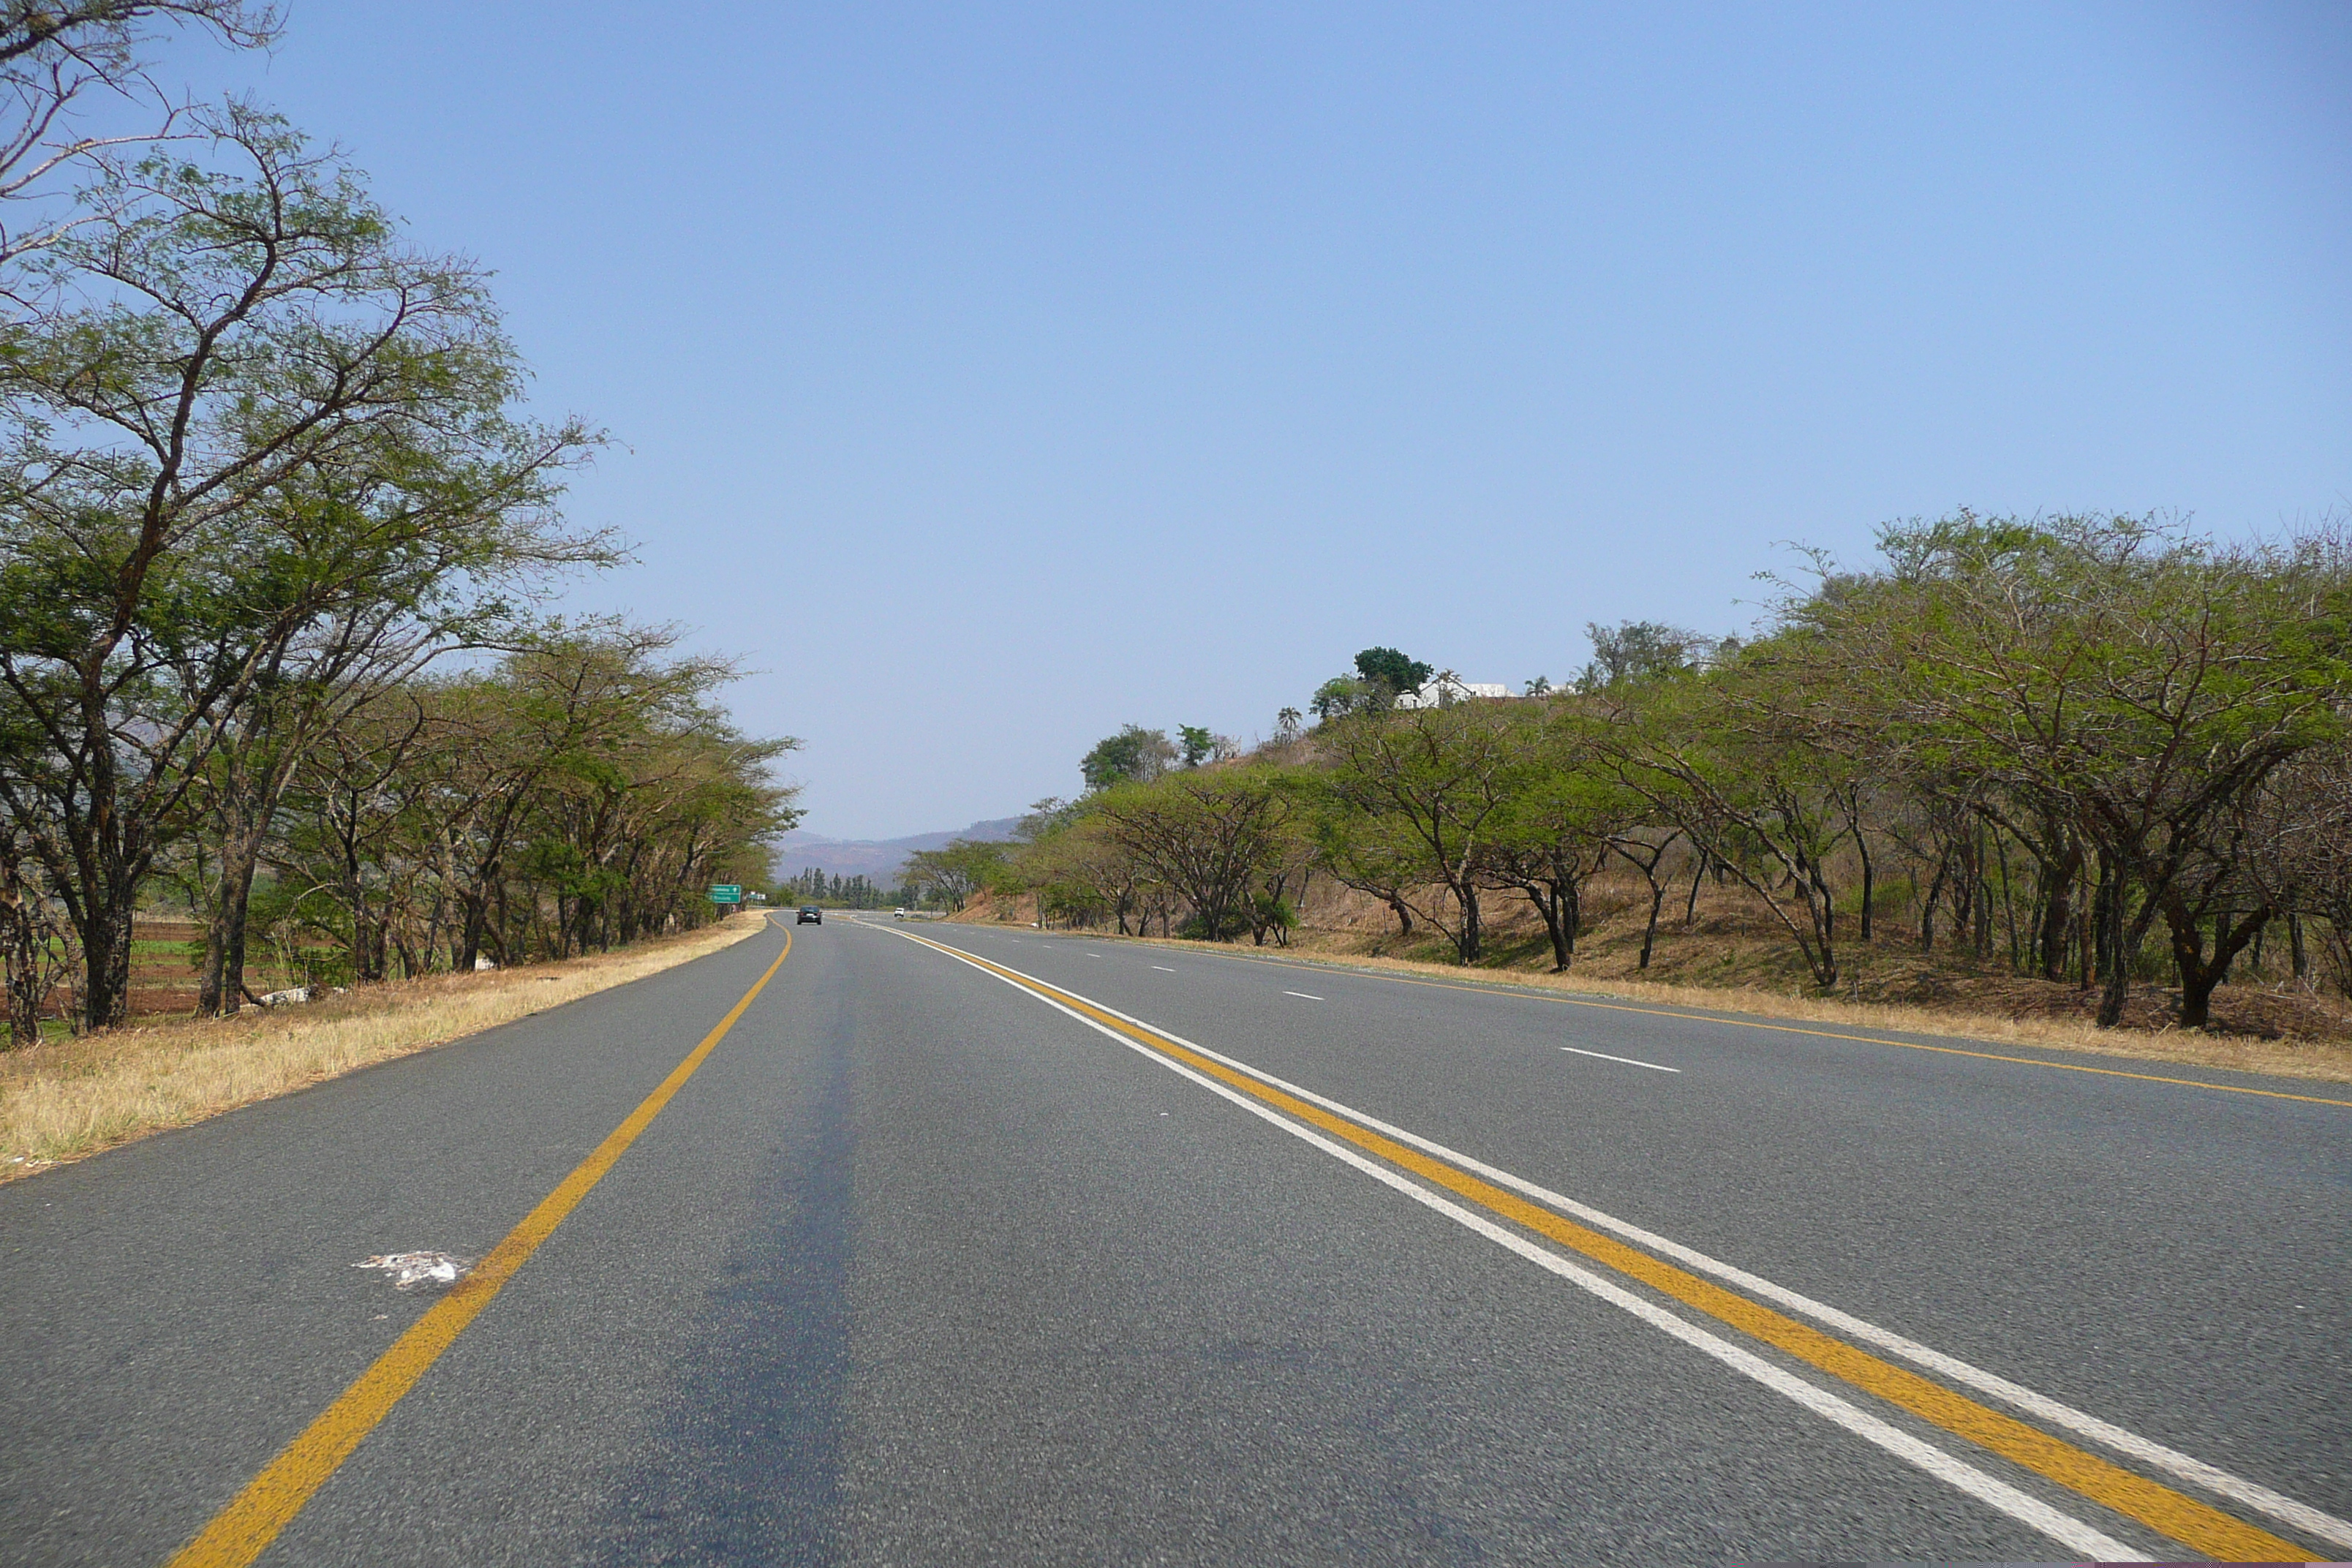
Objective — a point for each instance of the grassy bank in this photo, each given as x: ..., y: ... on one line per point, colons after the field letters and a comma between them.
x: 1729, y: 960
x: 65, y: 1098
x: 2327, y: 1060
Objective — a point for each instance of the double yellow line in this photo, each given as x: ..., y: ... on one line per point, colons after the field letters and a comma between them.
x: 2171, y: 1514
x: 242, y: 1530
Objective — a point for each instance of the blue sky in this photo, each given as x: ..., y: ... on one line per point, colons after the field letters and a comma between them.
x: 989, y: 377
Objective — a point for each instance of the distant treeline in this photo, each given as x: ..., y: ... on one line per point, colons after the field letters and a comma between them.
x: 816, y: 886
x: 272, y: 530
x: 2095, y: 749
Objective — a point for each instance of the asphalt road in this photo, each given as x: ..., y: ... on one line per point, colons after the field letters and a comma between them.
x: 921, y: 1265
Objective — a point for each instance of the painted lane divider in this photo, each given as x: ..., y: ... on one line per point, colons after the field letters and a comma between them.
x: 253, y: 1519
x: 1629, y: 1061
x: 2170, y: 1513
x: 1302, y: 996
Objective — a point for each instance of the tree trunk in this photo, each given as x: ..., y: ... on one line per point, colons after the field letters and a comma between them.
x: 223, y: 984
x: 1862, y: 845
x: 1546, y: 897
x: 2200, y: 976
x: 367, y: 946
x: 2057, y: 912
x: 468, y: 946
x: 105, y: 931
x: 1822, y: 905
x: 2107, y: 932
x: 2120, y: 936
x: 1928, y: 906
x: 1467, y: 945
x: 1650, y: 931
x: 21, y: 940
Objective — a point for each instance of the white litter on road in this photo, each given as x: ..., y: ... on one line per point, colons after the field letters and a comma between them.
x: 410, y: 1270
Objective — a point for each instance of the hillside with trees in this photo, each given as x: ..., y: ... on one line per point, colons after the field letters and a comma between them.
x: 277, y: 533
x: 2095, y: 762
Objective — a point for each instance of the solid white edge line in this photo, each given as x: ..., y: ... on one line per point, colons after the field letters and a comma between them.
x: 2254, y: 1495
x: 1629, y: 1061
x: 2064, y: 1529
x: 2286, y: 1510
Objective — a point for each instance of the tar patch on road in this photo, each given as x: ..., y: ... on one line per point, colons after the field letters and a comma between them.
x: 747, y: 1469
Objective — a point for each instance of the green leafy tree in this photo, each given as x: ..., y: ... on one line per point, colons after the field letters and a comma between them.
x: 1134, y: 755
x: 1443, y: 776
x: 204, y: 379
x: 1391, y: 671
x: 2123, y: 678
x: 1343, y: 696
x: 1209, y: 834
x: 1558, y: 825
x: 953, y: 873
x: 1725, y: 759
x: 1640, y: 650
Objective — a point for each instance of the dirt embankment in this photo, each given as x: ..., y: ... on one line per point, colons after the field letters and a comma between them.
x: 1730, y: 955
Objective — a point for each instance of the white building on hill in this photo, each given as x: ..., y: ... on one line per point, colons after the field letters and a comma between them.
x: 1449, y: 688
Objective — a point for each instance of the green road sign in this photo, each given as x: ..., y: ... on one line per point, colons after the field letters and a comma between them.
x: 727, y: 893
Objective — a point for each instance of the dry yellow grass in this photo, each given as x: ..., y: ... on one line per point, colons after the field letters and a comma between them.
x: 68, y: 1099
x: 2326, y: 1060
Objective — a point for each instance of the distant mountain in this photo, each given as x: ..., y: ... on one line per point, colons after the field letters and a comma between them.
x: 878, y: 859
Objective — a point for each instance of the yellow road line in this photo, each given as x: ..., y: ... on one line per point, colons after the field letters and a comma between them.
x: 239, y: 1533
x: 2171, y: 1514
x: 1505, y: 988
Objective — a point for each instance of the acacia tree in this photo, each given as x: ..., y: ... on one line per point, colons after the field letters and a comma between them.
x: 406, y: 557
x: 1134, y: 755
x: 574, y: 795
x: 60, y: 58
x: 1444, y: 776
x: 1728, y: 761
x: 1558, y: 825
x: 957, y: 871
x: 2128, y: 682
x: 2308, y: 821
x: 1081, y: 872
x: 1207, y: 833
x: 356, y: 802
x: 1372, y: 855
x: 221, y: 340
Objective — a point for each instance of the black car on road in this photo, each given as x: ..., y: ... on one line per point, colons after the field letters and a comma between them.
x: 810, y: 915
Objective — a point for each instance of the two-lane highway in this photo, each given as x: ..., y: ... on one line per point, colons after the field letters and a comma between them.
x: 1045, y: 1248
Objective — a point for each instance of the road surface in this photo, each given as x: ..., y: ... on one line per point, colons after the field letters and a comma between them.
x: 1049, y: 1249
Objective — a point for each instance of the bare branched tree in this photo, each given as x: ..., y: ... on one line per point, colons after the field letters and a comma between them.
x: 59, y: 60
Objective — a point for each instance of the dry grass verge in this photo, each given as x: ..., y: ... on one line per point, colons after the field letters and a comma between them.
x: 68, y: 1099
x: 2326, y: 1060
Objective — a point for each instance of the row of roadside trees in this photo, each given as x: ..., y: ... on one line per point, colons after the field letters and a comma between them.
x: 2101, y: 747
x: 274, y: 528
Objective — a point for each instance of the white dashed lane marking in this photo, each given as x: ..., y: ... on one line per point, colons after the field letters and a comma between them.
x: 1629, y: 1061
